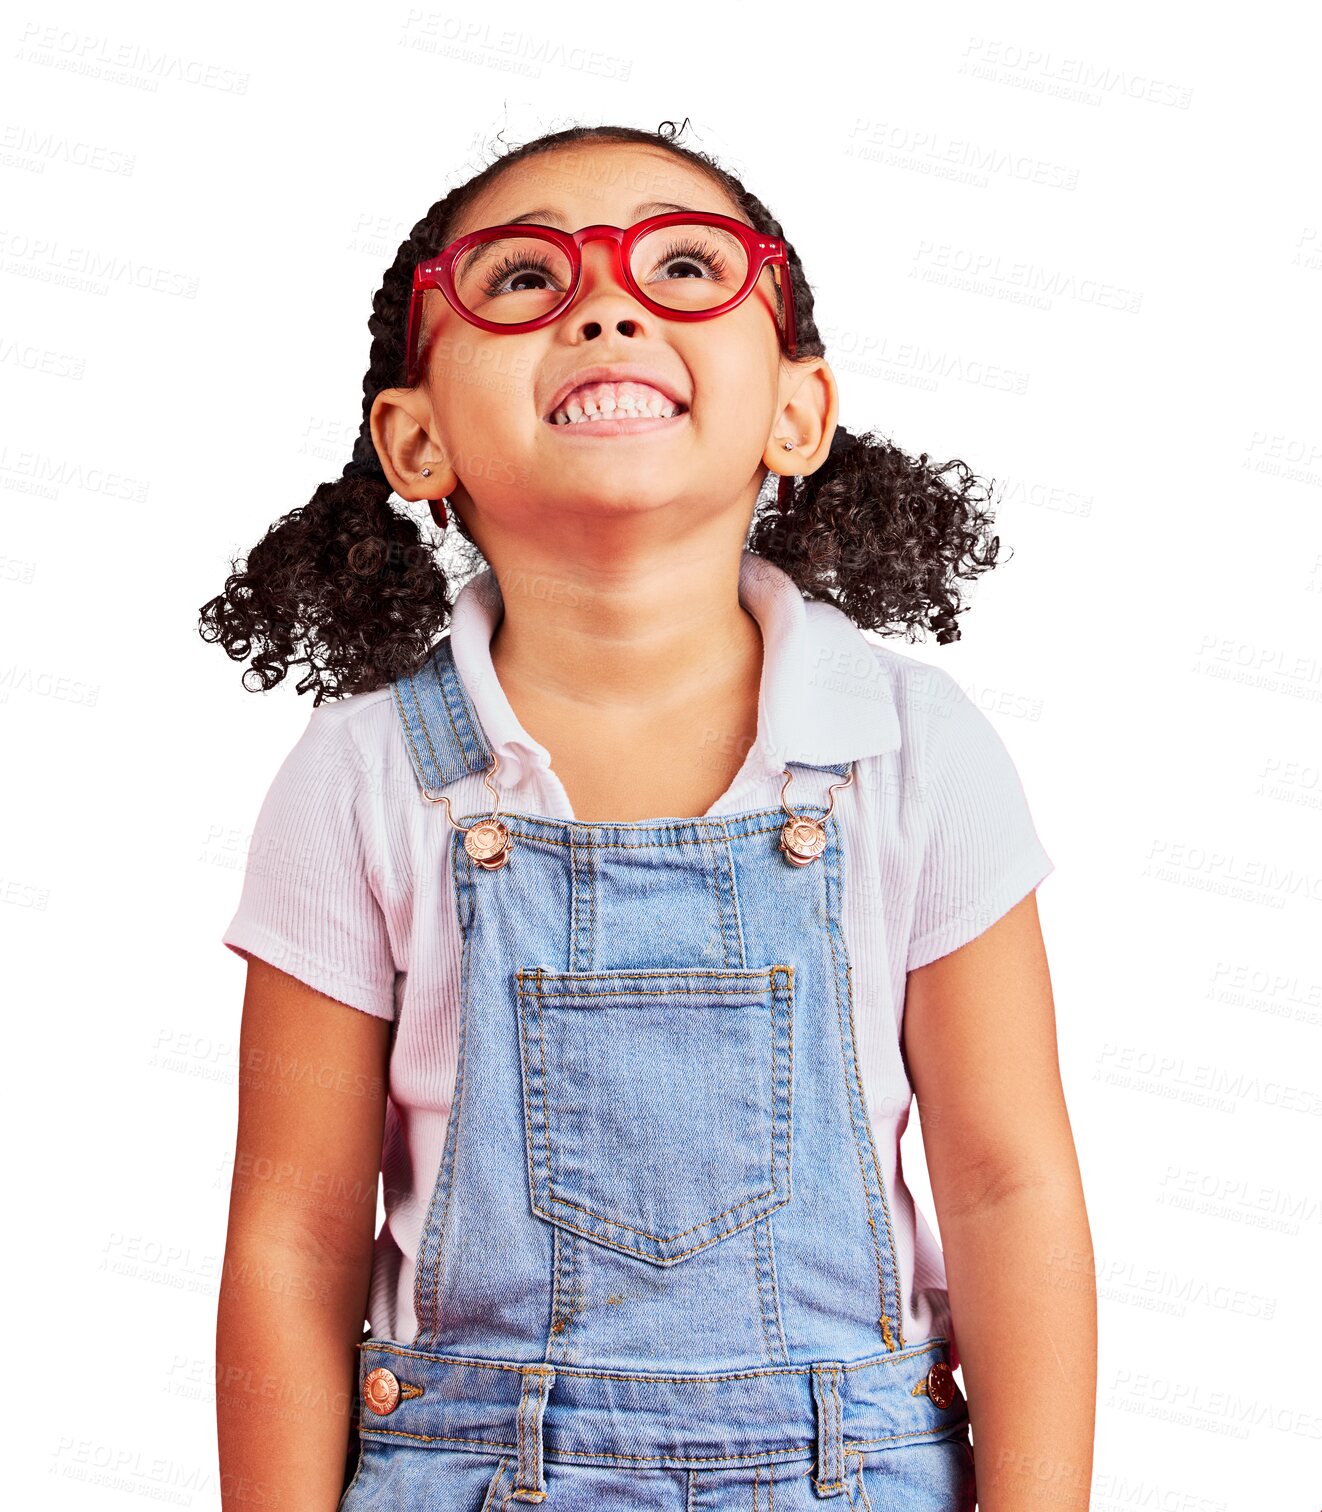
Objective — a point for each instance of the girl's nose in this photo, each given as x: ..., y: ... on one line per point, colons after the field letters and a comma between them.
x: 603, y: 295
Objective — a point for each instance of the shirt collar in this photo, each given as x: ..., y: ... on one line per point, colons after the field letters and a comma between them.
x: 825, y: 695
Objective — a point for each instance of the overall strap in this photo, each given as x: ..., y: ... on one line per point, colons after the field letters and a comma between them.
x: 441, y: 728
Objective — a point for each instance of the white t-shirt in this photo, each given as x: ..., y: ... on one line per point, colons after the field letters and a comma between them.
x: 347, y: 886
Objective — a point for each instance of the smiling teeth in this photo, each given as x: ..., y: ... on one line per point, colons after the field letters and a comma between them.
x: 577, y: 414
x: 607, y: 401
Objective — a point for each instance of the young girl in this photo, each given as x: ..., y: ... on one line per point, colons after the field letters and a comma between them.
x: 618, y: 926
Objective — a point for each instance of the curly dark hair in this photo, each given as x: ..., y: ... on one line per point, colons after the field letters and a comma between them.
x: 349, y: 585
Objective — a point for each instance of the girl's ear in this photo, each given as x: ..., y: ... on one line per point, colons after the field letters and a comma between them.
x: 401, y: 433
x: 810, y: 403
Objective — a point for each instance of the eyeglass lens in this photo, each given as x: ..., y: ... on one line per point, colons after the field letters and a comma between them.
x: 683, y: 267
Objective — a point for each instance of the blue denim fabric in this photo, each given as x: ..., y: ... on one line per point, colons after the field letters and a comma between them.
x: 658, y: 1269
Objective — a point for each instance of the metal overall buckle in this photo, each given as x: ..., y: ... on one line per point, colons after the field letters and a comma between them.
x: 803, y: 839
x: 488, y: 840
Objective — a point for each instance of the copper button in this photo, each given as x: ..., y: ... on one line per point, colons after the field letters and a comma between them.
x: 941, y: 1384
x: 488, y: 843
x: 381, y: 1390
x: 802, y: 840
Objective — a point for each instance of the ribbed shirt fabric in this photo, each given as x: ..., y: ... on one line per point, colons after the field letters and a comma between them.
x: 347, y: 885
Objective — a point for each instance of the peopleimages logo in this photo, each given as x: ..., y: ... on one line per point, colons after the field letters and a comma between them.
x: 1040, y: 71
x: 926, y: 150
x: 96, y: 55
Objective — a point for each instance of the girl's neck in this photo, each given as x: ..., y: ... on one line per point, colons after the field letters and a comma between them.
x: 624, y: 645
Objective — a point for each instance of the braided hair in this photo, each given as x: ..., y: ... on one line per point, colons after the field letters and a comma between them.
x: 348, y: 585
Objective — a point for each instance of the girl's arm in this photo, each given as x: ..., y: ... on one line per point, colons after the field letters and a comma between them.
x: 980, y: 1042
x: 298, y: 1254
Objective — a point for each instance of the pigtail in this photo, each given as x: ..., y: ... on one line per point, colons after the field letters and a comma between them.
x: 345, y: 584
x: 885, y: 537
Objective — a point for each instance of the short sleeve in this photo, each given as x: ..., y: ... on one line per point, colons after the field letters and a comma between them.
x: 310, y: 904
x: 981, y: 851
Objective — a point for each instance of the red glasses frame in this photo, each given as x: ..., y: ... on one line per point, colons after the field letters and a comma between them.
x: 438, y: 273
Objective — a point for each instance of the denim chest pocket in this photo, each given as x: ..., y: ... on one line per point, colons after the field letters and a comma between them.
x: 657, y: 1103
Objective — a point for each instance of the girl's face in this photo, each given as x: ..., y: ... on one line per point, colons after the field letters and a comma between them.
x: 480, y: 416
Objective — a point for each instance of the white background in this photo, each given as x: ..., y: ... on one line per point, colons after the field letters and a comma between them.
x: 1086, y: 257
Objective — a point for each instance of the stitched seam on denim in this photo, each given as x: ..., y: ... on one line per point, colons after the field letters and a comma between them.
x: 773, y: 1271
x: 717, y: 888
x: 703, y: 1377
x: 766, y: 1300
x: 782, y: 986
x: 431, y: 670
x: 493, y: 1486
x: 466, y: 729
x: 864, y: 1500
x: 566, y: 1455
x: 414, y: 753
x: 755, y: 996
x: 771, y: 994
x: 519, y: 1420
x: 836, y: 881
x: 567, y: 1300
x: 759, y: 1281
x: 546, y: 1112
x: 522, y: 1495
x: 590, y: 943
x: 876, y: 1166
x: 569, y: 1455
x: 853, y: 1085
x: 848, y: 1489
x: 726, y: 891
x: 895, y: 1438
x: 543, y: 1389
x: 595, y: 1235
x: 528, y: 830
x: 439, y: 670
x: 867, y: 1128
x: 445, y: 1174
x: 629, y: 974
x: 575, y: 865
x: 837, y: 1427
x: 556, y: 1326
x: 839, y: 1440
x: 531, y: 1400
x: 577, y: 1279
x: 580, y: 1277
x: 826, y: 1427
x: 867, y: 1196
x: 460, y: 860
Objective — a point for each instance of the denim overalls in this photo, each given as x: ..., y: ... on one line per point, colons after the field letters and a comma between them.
x: 657, y: 1271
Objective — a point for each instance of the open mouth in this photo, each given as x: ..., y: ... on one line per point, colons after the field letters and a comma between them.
x: 616, y: 409
x: 620, y: 423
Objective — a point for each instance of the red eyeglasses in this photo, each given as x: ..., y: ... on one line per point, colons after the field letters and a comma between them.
x: 684, y: 265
